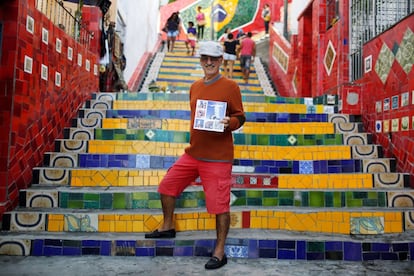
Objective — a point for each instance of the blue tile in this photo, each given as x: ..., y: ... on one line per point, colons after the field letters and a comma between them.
x: 37, y: 248
x: 106, y: 248
x: 267, y: 253
x: 315, y: 256
x: 286, y: 244
x: 333, y: 246
x: 183, y: 251
x: 50, y: 242
x: 267, y: 244
x: 145, y: 252
x: 352, y: 251
x: 380, y: 247
x: 71, y: 251
x: 91, y: 251
x: 370, y: 256
x: 286, y: 254
x: 397, y: 247
x: 91, y: 243
x: 159, y: 243
x: 392, y: 256
x: 52, y: 251
x: 253, y: 249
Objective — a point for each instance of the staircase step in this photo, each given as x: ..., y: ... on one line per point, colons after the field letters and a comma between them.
x: 193, y: 197
x: 142, y: 161
x: 105, y: 177
x: 241, y: 243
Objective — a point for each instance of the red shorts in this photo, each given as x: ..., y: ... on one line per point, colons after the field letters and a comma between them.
x: 192, y: 42
x: 215, y: 178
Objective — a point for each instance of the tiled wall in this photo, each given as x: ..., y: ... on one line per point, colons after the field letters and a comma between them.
x: 315, y: 62
x: 45, y: 75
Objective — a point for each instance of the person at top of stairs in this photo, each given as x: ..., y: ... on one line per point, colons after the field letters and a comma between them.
x: 216, y: 111
x: 172, y: 27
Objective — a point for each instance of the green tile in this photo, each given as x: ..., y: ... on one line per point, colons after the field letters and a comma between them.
x: 92, y: 204
x: 254, y: 194
x: 63, y: 200
x: 305, y: 199
x: 154, y: 204
x: 140, y: 196
x: 354, y: 203
x: 184, y: 242
x: 105, y: 201
x: 268, y: 201
x: 286, y: 194
x: 75, y: 196
x: 241, y: 201
x: 119, y: 201
x: 189, y: 203
x: 254, y: 201
x: 285, y: 201
x: 338, y: 199
x: 328, y: 199
x: 316, y: 199
x: 91, y: 196
x: 153, y: 195
x: 139, y: 204
x: 315, y: 247
x: 75, y: 204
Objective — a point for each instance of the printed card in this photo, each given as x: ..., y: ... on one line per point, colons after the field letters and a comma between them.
x: 209, y: 114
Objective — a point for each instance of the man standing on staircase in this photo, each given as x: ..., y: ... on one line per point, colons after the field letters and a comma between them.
x: 247, y: 54
x: 210, y: 154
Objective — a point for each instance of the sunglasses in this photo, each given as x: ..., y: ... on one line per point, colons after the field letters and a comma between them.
x: 204, y: 58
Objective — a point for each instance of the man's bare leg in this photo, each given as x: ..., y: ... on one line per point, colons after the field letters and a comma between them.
x: 168, y: 206
x: 222, y: 229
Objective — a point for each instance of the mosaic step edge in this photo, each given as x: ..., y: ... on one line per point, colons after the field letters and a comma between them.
x: 146, y: 161
x: 368, y: 221
x: 86, y: 177
x: 90, y: 118
x: 251, y: 135
x: 112, y: 96
x: 263, y: 244
x: 141, y: 198
x: 253, y: 152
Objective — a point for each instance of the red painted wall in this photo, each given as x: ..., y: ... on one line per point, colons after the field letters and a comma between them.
x: 34, y: 111
x: 308, y: 75
x: 399, y: 87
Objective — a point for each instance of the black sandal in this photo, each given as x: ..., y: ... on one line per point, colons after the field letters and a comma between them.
x: 215, y: 263
x: 168, y: 234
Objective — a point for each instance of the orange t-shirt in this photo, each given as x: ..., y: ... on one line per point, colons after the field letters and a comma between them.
x: 209, y: 145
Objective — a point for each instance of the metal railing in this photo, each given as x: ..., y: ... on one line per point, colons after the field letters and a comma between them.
x: 66, y: 19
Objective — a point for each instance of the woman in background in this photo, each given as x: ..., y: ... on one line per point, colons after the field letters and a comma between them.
x: 201, y: 22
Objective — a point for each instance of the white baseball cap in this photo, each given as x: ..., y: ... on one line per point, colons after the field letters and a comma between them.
x: 210, y: 48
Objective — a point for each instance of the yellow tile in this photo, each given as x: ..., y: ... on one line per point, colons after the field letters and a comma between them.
x: 120, y: 226
x: 210, y: 224
x: 255, y: 222
x: 104, y: 226
x: 274, y: 223
x: 200, y: 224
x: 191, y: 224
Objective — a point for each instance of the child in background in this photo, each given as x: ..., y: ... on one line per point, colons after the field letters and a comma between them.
x: 191, y: 38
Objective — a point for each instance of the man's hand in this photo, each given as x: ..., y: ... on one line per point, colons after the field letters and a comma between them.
x: 226, y: 121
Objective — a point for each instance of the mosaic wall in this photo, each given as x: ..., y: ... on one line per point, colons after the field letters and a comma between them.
x: 384, y: 96
x: 51, y: 79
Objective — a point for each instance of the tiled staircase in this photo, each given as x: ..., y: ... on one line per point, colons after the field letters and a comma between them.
x: 307, y: 181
